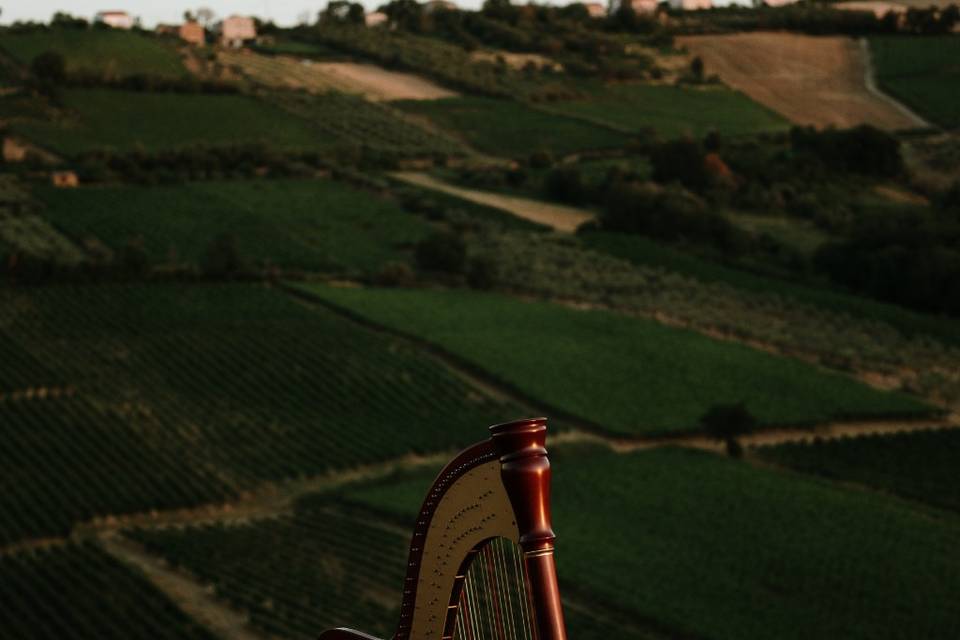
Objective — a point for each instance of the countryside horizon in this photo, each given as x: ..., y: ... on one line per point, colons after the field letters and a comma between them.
x: 264, y: 288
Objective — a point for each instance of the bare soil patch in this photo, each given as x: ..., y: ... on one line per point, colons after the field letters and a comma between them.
x: 373, y: 82
x: 516, y: 60
x: 558, y: 217
x: 819, y: 81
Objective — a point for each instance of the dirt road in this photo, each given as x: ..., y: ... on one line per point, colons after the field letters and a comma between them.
x: 556, y: 216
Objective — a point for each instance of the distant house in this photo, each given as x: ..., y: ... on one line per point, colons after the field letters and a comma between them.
x: 375, y: 19
x: 235, y: 31
x: 115, y: 19
x: 14, y: 151
x: 64, y: 179
x: 690, y: 5
x: 595, y: 9
x: 192, y: 33
x: 644, y: 6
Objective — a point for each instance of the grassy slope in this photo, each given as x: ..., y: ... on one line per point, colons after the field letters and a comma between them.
x: 645, y: 252
x: 919, y: 466
x: 673, y: 111
x: 628, y: 375
x: 502, y: 127
x: 307, y: 224
x: 112, y: 52
x: 78, y: 591
x: 714, y: 548
x: 922, y: 72
x: 125, y: 121
x: 244, y: 380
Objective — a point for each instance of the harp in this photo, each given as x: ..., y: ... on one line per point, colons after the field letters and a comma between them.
x: 481, y: 563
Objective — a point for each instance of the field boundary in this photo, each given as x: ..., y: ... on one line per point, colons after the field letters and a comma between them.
x: 870, y: 82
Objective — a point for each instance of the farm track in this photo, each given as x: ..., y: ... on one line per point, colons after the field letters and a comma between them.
x: 192, y: 597
x: 870, y: 82
x: 558, y: 217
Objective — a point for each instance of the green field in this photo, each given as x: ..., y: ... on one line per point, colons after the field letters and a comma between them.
x: 126, y: 121
x: 65, y: 461
x: 79, y: 592
x: 917, y: 466
x: 112, y: 52
x: 645, y: 252
x: 298, y: 575
x: 319, y: 225
x: 707, y: 547
x: 243, y: 380
x: 921, y: 72
x: 503, y: 127
x: 628, y: 375
x: 673, y: 111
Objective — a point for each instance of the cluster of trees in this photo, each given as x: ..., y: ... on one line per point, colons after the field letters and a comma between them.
x: 195, y: 163
x: 909, y: 256
x: 819, y: 19
x: 49, y: 68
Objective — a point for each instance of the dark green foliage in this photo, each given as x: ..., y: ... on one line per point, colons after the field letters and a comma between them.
x: 864, y: 150
x: 680, y: 161
x: 49, y: 66
x: 566, y: 185
x: 482, y: 273
x: 222, y: 258
x: 906, y: 256
x: 728, y: 422
x: 442, y: 252
x: 76, y: 592
x: 917, y: 466
x: 134, y: 260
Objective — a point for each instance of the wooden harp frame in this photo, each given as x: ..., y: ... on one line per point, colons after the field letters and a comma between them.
x: 497, y: 488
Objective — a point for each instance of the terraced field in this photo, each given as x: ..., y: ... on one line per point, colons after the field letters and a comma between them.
x: 672, y: 112
x: 112, y: 52
x: 77, y: 591
x: 682, y: 540
x: 917, y: 466
x: 507, y: 128
x: 124, y: 121
x: 298, y: 575
x: 318, y: 225
x: 629, y: 375
x: 240, y: 379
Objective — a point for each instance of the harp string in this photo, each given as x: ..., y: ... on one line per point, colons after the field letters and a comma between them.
x: 494, y: 602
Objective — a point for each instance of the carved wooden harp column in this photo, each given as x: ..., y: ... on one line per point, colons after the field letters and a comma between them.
x: 481, y: 563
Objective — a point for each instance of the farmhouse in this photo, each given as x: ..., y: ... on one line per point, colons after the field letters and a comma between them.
x: 235, y: 31
x: 192, y: 33
x: 64, y: 179
x: 644, y: 6
x: 14, y: 151
x: 595, y: 9
x: 115, y: 19
x: 691, y: 5
x: 375, y: 19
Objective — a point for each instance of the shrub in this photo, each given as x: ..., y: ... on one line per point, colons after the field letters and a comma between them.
x: 395, y: 274
x: 727, y: 422
x: 483, y: 273
x: 442, y: 252
x: 680, y: 161
x: 222, y: 257
x: 566, y: 185
x: 49, y: 66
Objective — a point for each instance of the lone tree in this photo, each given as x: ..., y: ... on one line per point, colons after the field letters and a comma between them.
x: 49, y: 66
x: 727, y: 422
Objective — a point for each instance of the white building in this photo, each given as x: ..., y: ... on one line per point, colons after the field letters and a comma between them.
x: 690, y: 5
x: 375, y: 19
x: 115, y: 19
x: 235, y: 30
x: 595, y: 9
x: 644, y: 6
